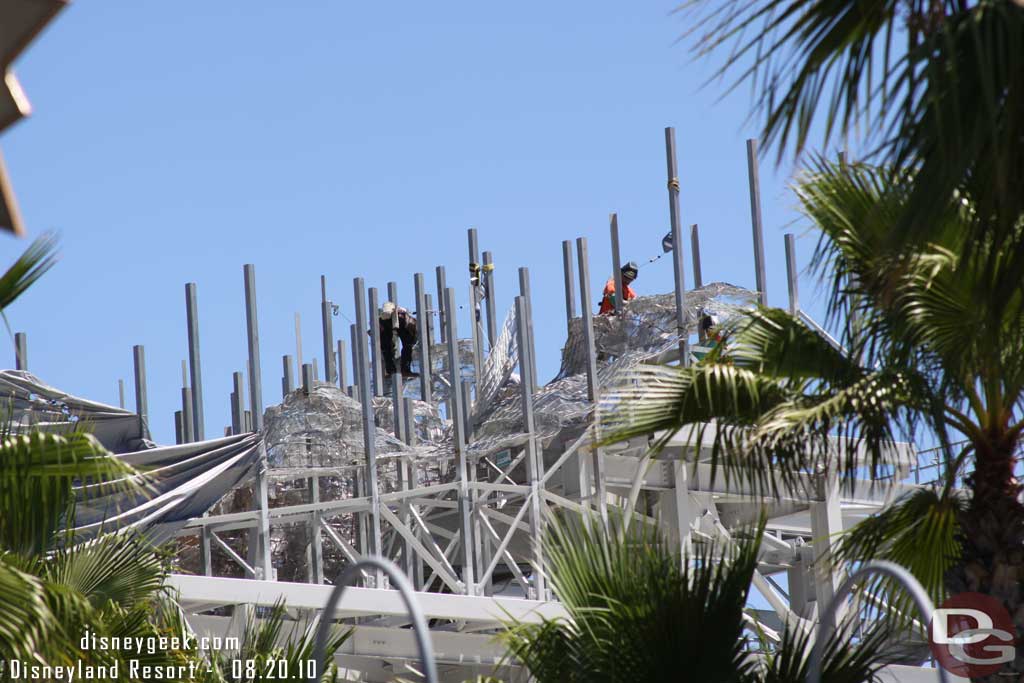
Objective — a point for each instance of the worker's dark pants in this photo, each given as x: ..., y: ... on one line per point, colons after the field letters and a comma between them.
x: 387, y: 347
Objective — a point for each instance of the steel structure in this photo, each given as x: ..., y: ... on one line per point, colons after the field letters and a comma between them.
x: 454, y: 476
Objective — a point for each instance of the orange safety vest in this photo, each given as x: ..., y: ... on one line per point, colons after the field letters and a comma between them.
x: 608, y: 300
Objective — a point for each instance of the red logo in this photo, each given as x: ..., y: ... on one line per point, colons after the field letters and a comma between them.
x: 972, y: 635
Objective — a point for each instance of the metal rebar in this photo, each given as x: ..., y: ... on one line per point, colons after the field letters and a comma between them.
x: 120, y: 393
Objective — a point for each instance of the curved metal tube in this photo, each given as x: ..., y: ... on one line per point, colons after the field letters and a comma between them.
x: 404, y: 587
x: 891, y: 569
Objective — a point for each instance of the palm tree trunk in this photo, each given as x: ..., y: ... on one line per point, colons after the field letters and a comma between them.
x: 992, y: 530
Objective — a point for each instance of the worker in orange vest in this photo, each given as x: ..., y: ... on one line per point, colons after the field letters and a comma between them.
x: 629, y: 273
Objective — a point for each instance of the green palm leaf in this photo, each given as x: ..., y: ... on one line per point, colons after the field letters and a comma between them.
x: 37, y: 475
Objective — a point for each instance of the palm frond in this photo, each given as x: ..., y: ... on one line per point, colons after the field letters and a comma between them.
x: 37, y: 474
x: 118, y: 568
x: 637, y: 611
x: 919, y: 532
x: 40, y: 256
x: 843, y: 661
x: 28, y: 621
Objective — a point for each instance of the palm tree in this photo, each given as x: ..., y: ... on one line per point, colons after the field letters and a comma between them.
x: 935, y: 348
x: 637, y: 612
x: 935, y: 85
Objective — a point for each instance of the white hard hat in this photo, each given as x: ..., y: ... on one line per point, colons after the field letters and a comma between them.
x: 387, y: 310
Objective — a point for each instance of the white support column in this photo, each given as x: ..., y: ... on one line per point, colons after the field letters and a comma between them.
x: 826, y: 524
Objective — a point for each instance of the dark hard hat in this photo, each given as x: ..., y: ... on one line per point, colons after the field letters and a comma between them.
x: 630, y: 270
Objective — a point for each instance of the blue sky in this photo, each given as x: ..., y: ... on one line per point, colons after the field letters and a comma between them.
x: 174, y: 142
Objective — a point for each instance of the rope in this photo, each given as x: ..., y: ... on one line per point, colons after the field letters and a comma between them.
x: 673, y: 184
x: 488, y: 267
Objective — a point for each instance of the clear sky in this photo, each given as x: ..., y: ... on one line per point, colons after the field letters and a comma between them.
x: 173, y: 142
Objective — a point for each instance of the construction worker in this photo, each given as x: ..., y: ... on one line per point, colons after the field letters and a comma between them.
x: 405, y: 331
x: 629, y: 273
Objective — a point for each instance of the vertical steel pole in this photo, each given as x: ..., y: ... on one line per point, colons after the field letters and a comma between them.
x: 592, y: 388
x: 308, y: 378
x: 413, y: 565
x: 397, y: 388
x: 357, y: 340
x: 524, y: 291
x: 256, y: 406
x: 698, y: 279
x: 298, y: 345
x: 429, y: 323
x: 620, y: 296
x: 424, y: 326
x: 369, y: 427
x: 442, y: 286
x: 328, y: 329
x: 179, y: 427
x: 120, y: 393
x: 375, y: 351
x: 287, y: 376
x: 141, y: 397
x: 342, y: 374
x: 238, y: 405
x: 187, y: 430
x: 458, y: 410
x: 570, y: 290
x: 791, y: 275
x: 677, y: 246
x: 755, y: 221
x: 192, y: 315
x: 474, y: 307
x: 492, y: 316
x: 20, y: 351
x: 316, y: 547
x: 207, y: 550
x: 534, y: 461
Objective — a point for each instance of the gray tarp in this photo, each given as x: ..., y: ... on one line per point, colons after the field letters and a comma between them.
x: 36, y: 405
x: 184, y: 481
